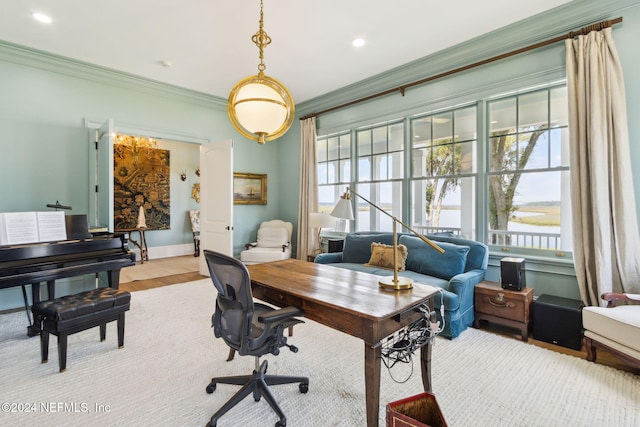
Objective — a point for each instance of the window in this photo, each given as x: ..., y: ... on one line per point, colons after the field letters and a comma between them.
x: 379, y: 176
x: 431, y: 177
x: 528, y: 202
x: 443, y: 177
x: 334, y: 169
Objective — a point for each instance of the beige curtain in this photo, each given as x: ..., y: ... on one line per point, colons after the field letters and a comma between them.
x: 308, y: 188
x: 605, y: 227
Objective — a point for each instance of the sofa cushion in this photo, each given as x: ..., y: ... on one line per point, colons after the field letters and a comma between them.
x: 619, y: 324
x: 426, y: 260
x: 357, y: 247
x: 382, y: 256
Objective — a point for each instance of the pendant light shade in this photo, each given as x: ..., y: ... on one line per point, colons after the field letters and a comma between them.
x: 261, y: 108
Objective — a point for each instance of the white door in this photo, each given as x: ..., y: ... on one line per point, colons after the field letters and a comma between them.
x: 101, y: 179
x: 216, y: 199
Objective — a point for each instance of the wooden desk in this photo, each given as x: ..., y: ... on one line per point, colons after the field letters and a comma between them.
x: 350, y: 302
x: 141, y: 243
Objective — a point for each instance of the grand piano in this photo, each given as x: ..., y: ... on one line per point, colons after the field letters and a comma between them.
x: 36, y: 263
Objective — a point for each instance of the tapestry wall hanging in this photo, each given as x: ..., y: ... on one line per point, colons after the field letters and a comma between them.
x: 141, y: 178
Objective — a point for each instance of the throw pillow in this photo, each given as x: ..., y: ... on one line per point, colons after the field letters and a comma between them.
x: 382, y: 256
x: 357, y: 247
x: 426, y: 260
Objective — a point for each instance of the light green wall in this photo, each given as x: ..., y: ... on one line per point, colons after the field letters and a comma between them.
x: 539, y: 66
x: 45, y: 102
x: 48, y: 104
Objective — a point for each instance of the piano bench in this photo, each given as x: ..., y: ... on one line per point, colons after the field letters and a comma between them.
x: 74, y: 313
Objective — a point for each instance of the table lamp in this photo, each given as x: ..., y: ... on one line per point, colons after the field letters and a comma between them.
x: 388, y: 282
x: 320, y: 220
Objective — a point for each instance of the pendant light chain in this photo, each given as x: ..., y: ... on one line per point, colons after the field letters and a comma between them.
x: 262, y: 40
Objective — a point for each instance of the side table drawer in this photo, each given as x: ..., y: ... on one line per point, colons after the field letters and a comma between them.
x: 504, y: 303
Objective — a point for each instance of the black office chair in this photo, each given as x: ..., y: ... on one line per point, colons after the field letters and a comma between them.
x: 250, y: 329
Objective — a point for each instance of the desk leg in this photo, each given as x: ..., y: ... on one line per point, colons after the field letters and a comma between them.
x: 372, y: 382
x: 425, y: 359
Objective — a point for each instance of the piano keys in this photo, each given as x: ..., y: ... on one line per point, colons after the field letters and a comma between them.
x: 33, y: 264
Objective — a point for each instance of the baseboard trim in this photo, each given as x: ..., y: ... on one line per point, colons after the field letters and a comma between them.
x: 157, y: 252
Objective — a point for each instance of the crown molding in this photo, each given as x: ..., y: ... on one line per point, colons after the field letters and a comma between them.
x: 544, y: 26
x: 22, y: 55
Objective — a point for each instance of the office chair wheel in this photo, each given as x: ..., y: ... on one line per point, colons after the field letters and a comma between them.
x: 210, y: 388
x: 281, y: 423
x: 304, y: 387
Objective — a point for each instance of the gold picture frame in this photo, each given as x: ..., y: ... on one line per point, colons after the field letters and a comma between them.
x: 249, y: 189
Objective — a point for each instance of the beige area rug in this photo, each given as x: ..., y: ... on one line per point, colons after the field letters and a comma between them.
x: 170, y: 353
x: 159, y: 267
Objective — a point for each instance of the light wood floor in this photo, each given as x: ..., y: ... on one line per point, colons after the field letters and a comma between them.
x: 157, y: 282
x: 602, y: 357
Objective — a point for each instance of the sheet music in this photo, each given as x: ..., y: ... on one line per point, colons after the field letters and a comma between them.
x: 51, y: 226
x: 18, y: 228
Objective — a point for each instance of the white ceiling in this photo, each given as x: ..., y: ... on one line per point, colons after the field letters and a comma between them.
x: 208, y: 42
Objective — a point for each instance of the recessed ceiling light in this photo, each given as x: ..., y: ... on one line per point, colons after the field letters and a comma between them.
x: 358, y: 42
x: 41, y: 17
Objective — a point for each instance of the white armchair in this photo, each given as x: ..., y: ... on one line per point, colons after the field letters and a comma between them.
x: 615, y: 329
x: 273, y: 244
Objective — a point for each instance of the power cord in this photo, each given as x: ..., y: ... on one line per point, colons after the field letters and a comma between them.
x: 399, y: 348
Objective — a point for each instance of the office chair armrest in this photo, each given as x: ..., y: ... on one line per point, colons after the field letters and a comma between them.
x: 280, y: 315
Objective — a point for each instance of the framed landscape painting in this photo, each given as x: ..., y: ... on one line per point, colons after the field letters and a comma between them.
x: 249, y: 189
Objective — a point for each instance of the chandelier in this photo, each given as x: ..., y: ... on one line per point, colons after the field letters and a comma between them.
x: 260, y: 107
x: 135, y: 143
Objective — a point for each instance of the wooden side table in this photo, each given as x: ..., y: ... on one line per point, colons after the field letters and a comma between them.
x: 503, y: 306
x: 141, y: 243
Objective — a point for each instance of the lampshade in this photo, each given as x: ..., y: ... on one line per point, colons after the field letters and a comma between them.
x: 260, y: 107
x: 321, y: 220
x: 343, y: 209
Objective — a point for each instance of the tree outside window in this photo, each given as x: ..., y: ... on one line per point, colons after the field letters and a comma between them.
x: 528, y: 174
x: 443, y: 171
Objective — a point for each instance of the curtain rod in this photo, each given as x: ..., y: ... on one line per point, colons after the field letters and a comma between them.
x: 583, y: 31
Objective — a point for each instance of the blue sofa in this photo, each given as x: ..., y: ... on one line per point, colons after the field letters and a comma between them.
x: 457, y: 271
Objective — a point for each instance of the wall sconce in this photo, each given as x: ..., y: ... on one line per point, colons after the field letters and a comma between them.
x: 183, y: 175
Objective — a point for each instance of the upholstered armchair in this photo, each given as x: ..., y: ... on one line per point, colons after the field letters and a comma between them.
x: 194, y: 217
x: 273, y: 243
x: 615, y: 328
